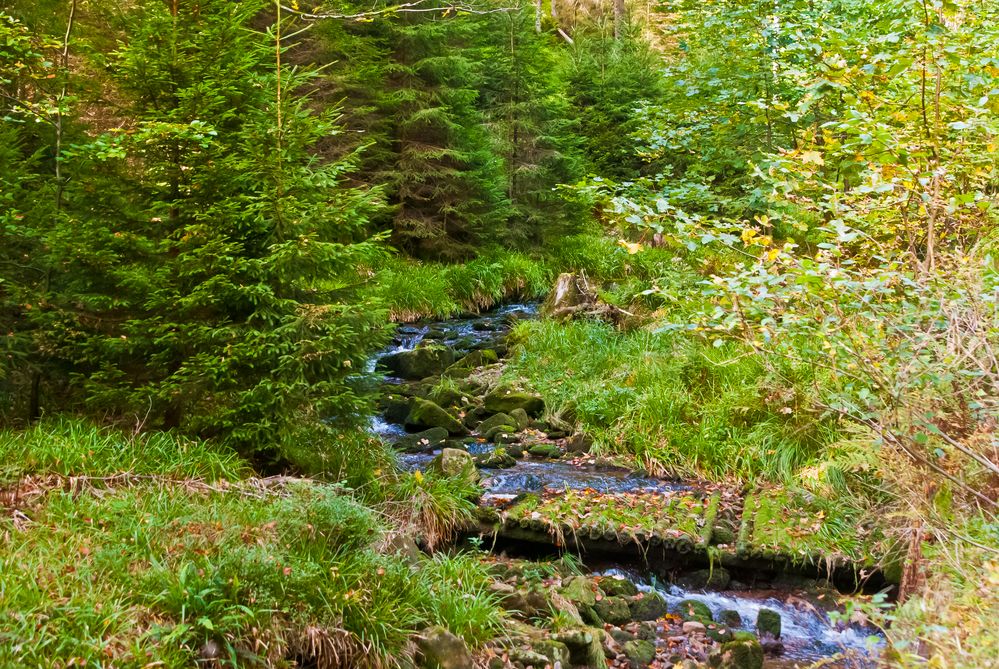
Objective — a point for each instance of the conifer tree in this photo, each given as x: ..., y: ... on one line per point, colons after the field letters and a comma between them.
x: 207, y: 281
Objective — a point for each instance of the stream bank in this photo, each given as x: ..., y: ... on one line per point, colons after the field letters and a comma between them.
x: 650, y: 545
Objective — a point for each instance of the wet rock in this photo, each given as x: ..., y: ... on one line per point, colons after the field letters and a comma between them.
x: 497, y: 420
x: 498, y: 430
x: 437, y: 648
x: 506, y: 399
x: 394, y: 408
x: 691, y: 609
x: 550, y: 451
x: 579, y: 443
x: 585, y: 647
x: 719, y: 633
x: 738, y: 655
x: 771, y: 646
x: 453, y: 463
x: 498, y: 458
x: 421, y: 442
x: 730, y: 617
x: 648, y: 606
x: 425, y: 414
x: 618, y: 587
x: 506, y: 438
x: 717, y: 578
x: 639, y: 653
x: 418, y: 363
x: 768, y: 622
x: 613, y: 610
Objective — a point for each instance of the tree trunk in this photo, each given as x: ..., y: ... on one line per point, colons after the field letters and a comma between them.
x: 537, y: 16
x: 618, y: 18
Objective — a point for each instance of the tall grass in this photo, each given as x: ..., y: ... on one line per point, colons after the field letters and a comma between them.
x: 674, y: 404
x: 190, y: 558
x: 412, y: 290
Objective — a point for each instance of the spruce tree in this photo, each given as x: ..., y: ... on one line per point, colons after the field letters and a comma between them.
x: 207, y: 282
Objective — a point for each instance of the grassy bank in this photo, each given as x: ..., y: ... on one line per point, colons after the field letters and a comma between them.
x: 412, y: 290
x: 154, y: 550
x: 673, y: 403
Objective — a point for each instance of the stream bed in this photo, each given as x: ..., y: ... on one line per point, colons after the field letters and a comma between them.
x: 808, y: 634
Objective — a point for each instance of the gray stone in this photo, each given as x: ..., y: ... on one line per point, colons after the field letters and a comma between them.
x: 521, y: 418
x: 439, y: 649
x: 613, y: 610
x: 648, y: 606
x: 495, y: 421
x: 453, y: 463
x: 614, y: 586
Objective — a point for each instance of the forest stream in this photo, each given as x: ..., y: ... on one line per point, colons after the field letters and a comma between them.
x: 541, y: 462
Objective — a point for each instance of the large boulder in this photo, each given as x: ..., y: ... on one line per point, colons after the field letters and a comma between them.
x: 648, y: 606
x: 424, y: 414
x: 421, y: 442
x: 585, y: 646
x: 439, y: 649
x: 768, y: 623
x: 639, y: 653
x: 616, y: 586
x: 738, y: 655
x: 418, y: 363
x: 498, y: 458
x: 717, y: 578
x: 497, y: 420
x: 505, y: 399
x: 454, y: 463
x: 579, y: 590
x: 471, y: 362
x: 613, y: 610
x: 692, y: 609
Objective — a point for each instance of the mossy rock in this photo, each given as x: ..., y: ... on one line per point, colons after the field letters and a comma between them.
x: 722, y: 535
x: 507, y: 400
x: 521, y: 418
x: 394, y: 407
x: 618, y: 587
x: 498, y: 430
x: 613, y: 610
x: 424, y: 441
x: 418, y: 363
x: 768, y: 622
x: 497, y: 420
x: 453, y: 463
x: 648, y: 606
x: 579, y: 443
x: 719, y: 633
x: 471, y: 362
x: 730, y: 617
x: 579, y: 590
x: 585, y: 647
x: 447, y: 397
x: 738, y: 655
x: 439, y: 649
x: 551, y: 451
x: 506, y: 438
x: 743, y: 635
x: 717, y: 578
x: 554, y: 651
x: 498, y: 458
x: 639, y: 653
x: 425, y: 414
x: 691, y: 609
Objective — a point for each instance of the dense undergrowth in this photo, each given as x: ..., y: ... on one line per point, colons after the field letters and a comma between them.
x: 154, y: 549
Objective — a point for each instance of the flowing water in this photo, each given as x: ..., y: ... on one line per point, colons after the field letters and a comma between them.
x: 808, y: 634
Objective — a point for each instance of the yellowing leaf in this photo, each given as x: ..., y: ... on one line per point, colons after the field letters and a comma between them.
x: 632, y: 248
x: 813, y: 157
